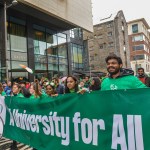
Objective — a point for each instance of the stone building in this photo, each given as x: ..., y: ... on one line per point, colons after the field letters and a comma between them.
x: 139, y: 41
x: 109, y: 36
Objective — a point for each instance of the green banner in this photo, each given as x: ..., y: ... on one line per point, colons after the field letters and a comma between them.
x: 104, y: 120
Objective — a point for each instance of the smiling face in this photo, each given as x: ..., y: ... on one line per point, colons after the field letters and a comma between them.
x: 141, y: 72
x: 71, y: 83
x: 49, y: 90
x: 113, y: 67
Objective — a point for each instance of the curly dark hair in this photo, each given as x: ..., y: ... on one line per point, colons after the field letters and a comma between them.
x: 113, y: 56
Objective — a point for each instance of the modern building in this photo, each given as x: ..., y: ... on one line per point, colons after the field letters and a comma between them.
x: 109, y: 36
x: 38, y: 36
x: 139, y: 41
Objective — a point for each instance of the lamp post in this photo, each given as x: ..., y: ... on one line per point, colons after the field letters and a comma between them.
x: 14, y: 2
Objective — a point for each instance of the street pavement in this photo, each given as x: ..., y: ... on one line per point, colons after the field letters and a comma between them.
x: 6, y: 143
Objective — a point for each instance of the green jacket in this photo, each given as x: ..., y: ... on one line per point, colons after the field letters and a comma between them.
x: 124, y: 81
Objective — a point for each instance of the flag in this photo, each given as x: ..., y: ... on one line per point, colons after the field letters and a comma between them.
x: 27, y: 68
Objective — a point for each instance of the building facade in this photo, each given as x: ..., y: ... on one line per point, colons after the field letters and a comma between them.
x: 38, y: 36
x: 110, y: 36
x: 139, y: 41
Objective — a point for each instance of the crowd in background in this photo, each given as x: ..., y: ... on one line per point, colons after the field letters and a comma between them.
x: 46, y: 87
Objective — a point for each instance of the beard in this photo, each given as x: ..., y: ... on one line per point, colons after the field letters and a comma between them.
x: 141, y: 75
x: 116, y: 70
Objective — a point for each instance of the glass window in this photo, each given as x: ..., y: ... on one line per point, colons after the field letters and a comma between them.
x: 77, y: 56
x: 61, y: 40
x: 138, y: 38
x: 80, y: 55
x: 109, y: 25
x: 138, y: 47
x: 135, y: 28
x: 19, y: 74
x: 53, y: 60
x: 40, y: 49
x: 18, y: 56
x: 109, y: 34
x: 16, y: 64
x: 75, y: 53
x: 100, y: 36
x: 39, y: 42
x: 17, y: 43
x: 53, y: 67
x: 101, y: 46
x: 62, y: 47
x: 62, y: 51
x: 39, y: 66
x: 138, y: 57
x: 111, y: 44
x: 76, y: 33
x: 50, y: 50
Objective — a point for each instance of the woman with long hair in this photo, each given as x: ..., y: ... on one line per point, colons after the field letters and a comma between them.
x: 35, y: 90
x: 51, y: 90
x: 71, y: 85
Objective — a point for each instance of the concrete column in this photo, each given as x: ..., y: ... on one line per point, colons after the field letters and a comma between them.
x: 2, y: 44
x: 30, y: 46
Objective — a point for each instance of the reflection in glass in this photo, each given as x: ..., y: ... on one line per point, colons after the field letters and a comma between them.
x: 53, y: 60
x: 19, y: 74
x: 50, y: 48
x: 39, y: 66
x: 17, y: 50
x: 62, y: 50
x: 77, y: 56
x: 39, y: 43
x: 16, y: 64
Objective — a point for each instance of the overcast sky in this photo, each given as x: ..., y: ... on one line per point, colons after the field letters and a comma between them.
x: 133, y: 9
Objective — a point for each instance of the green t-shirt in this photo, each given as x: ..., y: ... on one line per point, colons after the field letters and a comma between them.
x: 72, y: 91
x: 124, y: 82
x: 19, y: 95
x: 42, y: 96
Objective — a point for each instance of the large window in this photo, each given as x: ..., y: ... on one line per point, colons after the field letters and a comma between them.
x: 138, y: 38
x: 135, y: 28
x: 109, y: 34
x: 50, y: 51
x: 40, y: 58
x: 138, y: 47
x: 138, y: 57
x: 16, y: 45
x: 77, y: 56
x: 76, y: 33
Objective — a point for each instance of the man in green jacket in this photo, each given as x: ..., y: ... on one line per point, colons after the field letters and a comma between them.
x: 119, y: 78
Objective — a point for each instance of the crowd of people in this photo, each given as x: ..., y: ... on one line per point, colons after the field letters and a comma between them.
x: 118, y: 78
x: 45, y: 87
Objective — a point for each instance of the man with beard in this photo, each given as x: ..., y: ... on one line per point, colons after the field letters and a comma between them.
x: 119, y: 78
x: 143, y: 78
